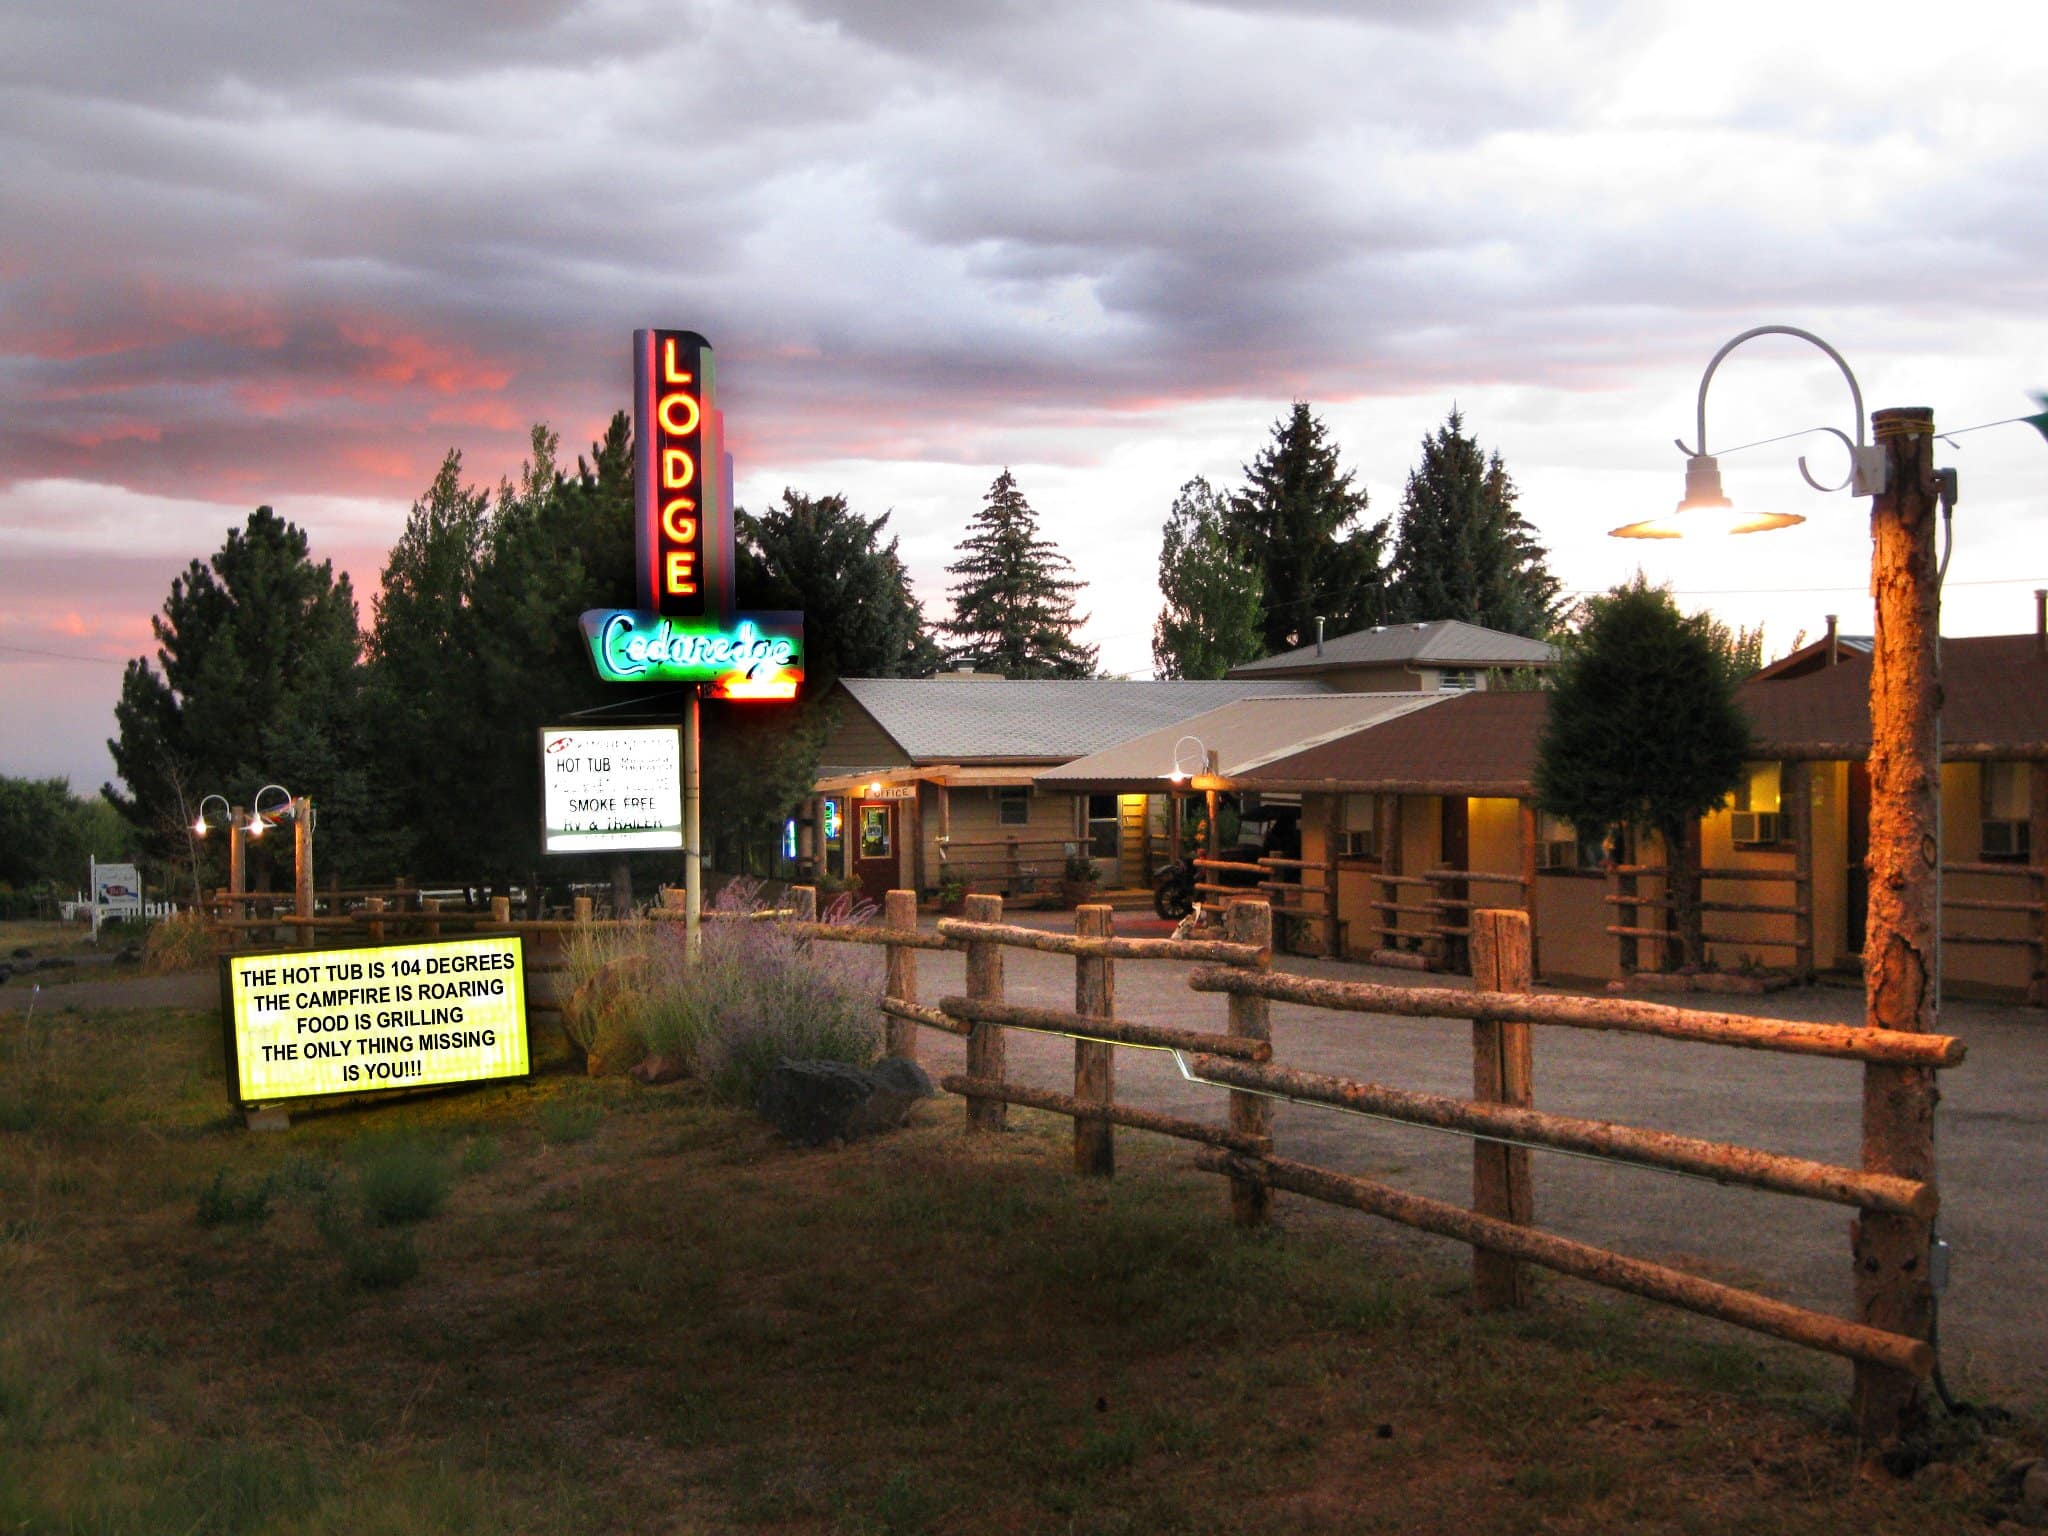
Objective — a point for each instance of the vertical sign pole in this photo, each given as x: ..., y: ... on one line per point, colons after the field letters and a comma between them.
x: 92, y: 889
x: 693, y: 848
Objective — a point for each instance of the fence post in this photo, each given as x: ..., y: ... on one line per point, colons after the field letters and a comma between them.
x: 899, y: 911
x: 431, y: 905
x: 1094, y: 1060
x: 985, y: 1041
x: 374, y: 906
x: 302, y: 867
x: 1796, y: 795
x: 1501, y: 1073
x: 501, y: 909
x: 1627, y: 957
x: 803, y: 903
x: 581, y: 908
x: 1251, y: 922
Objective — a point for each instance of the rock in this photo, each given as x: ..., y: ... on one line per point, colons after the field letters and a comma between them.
x: 814, y: 1102
x: 55, y: 963
x: 660, y: 1069
x: 2034, y: 1489
x: 23, y: 952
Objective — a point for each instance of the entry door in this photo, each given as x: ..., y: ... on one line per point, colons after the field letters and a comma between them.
x: 1857, y: 851
x: 874, y: 848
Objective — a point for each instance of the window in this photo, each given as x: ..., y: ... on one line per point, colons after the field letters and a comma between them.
x: 1105, y: 833
x: 1013, y: 807
x: 1359, y: 837
x: 1561, y: 846
x: 1457, y: 680
x: 1756, y: 817
x: 2008, y: 806
x: 874, y: 831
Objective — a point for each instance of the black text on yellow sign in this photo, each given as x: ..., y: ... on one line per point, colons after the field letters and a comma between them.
x: 310, y: 1023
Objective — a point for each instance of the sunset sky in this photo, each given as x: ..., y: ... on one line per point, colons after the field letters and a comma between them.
x: 293, y: 252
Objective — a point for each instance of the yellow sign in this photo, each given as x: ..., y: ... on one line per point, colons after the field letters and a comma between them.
x: 308, y: 1023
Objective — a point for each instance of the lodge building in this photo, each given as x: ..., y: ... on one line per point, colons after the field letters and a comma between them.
x: 1415, y: 787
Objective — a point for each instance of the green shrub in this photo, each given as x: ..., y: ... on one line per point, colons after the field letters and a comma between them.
x: 566, y: 1120
x: 221, y: 1203
x: 403, y: 1181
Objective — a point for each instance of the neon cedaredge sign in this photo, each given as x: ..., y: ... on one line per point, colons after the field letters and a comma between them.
x: 760, y: 656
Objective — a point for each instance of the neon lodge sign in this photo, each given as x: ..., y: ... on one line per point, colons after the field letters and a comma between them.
x: 759, y: 657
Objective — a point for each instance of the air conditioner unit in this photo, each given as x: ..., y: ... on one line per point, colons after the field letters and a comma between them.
x: 2006, y: 840
x: 1756, y: 826
x: 1563, y: 853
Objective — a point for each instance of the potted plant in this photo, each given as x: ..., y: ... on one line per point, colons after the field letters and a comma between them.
x: 1078, y: 884
x: 952, y: 893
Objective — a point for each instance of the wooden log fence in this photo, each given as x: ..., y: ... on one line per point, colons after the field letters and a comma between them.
x: 1632, y: 901
x: 1499, y: 1116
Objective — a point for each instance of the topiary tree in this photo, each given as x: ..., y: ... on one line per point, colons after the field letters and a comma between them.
x: 1644, y: 729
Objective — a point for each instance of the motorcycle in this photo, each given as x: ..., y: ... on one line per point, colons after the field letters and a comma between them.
x: 1173, y: 890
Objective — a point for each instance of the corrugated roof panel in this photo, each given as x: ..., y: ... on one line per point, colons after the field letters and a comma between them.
x: 1243, y: 734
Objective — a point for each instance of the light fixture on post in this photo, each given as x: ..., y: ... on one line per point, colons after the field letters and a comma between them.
x: 1894, y: 1254
x: 1705, y: 508
x: 1179, y: 775
x: 199, y: 824
x: 258, y: 821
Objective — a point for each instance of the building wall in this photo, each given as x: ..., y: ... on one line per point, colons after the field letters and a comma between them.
x: 975, y: 820
x: 2000, y: 968
x: 1572, y: 941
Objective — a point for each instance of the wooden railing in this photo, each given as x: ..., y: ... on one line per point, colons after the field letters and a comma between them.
x: 1017, y: 863
x: 1499, y: 1115
x: 1433, y: 897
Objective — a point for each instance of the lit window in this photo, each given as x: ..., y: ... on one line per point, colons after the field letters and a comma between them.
x: 2008, y: 805
x: 1013, y: 807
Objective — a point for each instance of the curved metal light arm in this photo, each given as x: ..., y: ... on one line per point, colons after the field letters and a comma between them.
x: 1856, y: 454
x: 1200, y: 762
x: 256, y: 805
x: 199, y: 825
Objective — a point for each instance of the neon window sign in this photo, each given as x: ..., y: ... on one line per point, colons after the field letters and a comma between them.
x: 759, y: 657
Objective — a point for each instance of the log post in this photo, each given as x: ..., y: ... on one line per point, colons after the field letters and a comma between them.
x: 899, y: 912
x: 2037, y: 889
x: 985, y: 1041
x: 803, y: 903
x: 238, y: 859
x: 1333, y: 838
x: 431, y: 905
x: 1626, y: 913
x: 374, y: 907
x: 1251, y: 1114
x: 1526, y: 810
x: 1796, y: 798
x: 501, y: 909
x: 1900, y: 950
x: 1094, y: 1060
x: 581, y: 908
x: 1391, y: 864
x: 302, y: 866
x: 1501, y: 1074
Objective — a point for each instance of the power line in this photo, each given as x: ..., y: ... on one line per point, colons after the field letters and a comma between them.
x: 30, y: 650
x: 1996, y: 581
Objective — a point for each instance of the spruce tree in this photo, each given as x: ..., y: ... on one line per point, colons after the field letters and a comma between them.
x: 1464, y: 552
x: 1210, y: 621
x: 1299, y: 523
x: 1644, y: 729
x: 1013, y: 606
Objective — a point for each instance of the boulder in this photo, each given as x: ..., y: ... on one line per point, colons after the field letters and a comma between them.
x: 661, y: 1069
x: 814, y: 1102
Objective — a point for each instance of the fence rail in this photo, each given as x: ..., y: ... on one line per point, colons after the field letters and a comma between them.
x: 1239, y: 1059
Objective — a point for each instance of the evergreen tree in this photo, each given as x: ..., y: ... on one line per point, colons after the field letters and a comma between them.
x: 257, y: 682
x: 425, y: 713
x: 1464, y: 552
x: 861, y: 618
x: 1301, y: 526
x: 1210, y: 621
x: 1013, y: 608
x: 1644, y: 729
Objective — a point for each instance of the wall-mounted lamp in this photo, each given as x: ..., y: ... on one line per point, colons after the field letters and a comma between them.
x: 199, y: 826
x: 1706, y: 509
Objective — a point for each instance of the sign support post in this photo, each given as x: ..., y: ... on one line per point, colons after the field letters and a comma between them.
x: 693, y: 846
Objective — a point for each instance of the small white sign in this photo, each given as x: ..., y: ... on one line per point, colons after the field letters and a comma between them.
x: 890, y: 792
x: 612, y: 789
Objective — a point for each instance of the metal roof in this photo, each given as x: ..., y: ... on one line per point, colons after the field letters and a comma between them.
x: 1046, y: 720
x: 1243, y: 734
x: 1438, y: 643
x: 1471, y: 744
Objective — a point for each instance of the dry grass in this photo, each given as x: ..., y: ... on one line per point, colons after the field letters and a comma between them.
x: 635, y: 1311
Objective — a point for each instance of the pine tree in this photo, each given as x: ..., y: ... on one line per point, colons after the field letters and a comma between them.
x: 1210, y: 620
x: 1013, y: 608
x: 1464, y: 552
x: 1301, y: 526
x: 256, y: 682
x: 1644, y: 729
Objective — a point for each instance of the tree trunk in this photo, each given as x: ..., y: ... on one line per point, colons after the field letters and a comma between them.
x: 1681, y: 858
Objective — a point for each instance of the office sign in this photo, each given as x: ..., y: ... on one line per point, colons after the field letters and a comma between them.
x: 307, y: 1024
x: 611, y: 789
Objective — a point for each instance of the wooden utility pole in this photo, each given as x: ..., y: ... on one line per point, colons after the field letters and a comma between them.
x: 1902, y: 935
x: 238, y: 859
x: 302, y: 865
